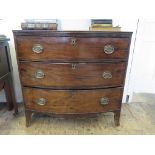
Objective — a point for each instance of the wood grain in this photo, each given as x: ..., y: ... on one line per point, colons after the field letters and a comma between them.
x: 73, y: 101
x: 84, y: 75
x: 61, y: 48
x: 89, y: 34
x: 73, y: 63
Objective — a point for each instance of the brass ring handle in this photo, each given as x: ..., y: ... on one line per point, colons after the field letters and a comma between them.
x: 37, y: 48
x: 109, y: 49
x: 107, y: 75
x: 104, y: 101
x: 73, y: 41
x: 41, y: 101
x: 39, y: 74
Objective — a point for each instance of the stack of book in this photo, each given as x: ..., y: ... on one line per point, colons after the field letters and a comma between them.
x: 2, y: 37
x: 39, y: 24
x: 103, y: 25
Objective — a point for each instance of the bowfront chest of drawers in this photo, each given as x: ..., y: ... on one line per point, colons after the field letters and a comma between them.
x: 72, y: 73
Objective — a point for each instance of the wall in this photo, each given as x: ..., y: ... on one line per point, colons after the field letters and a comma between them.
x: 143, y: 68
x: 6, y: 27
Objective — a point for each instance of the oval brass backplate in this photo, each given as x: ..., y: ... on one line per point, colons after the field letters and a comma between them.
x: 107, y: 75
x: 39, y: 74
x: 109, y: 49
x: 41, y: 101
x: 104, y: 101
x: 37, y: 48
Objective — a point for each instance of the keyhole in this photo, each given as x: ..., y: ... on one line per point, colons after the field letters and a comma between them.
x: 73, y: 66
x: 73, y: 41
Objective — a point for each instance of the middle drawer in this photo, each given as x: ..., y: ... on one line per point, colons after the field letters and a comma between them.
x: 70, y: 75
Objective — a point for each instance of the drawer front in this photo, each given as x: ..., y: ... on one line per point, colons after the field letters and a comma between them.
x: 71, y: 49
x: 73, y: 101
x: 68, y: 75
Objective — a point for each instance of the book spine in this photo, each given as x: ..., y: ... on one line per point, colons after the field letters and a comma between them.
x: 41, y: 20
x: 101, y: 25
x: 114, y: 29
x: 39, y: 26
x: 101, y: 21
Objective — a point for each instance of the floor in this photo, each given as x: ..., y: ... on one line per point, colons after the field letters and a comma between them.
x: 136, y: 118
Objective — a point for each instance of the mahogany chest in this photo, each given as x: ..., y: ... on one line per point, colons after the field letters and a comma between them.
x: 72, y: 72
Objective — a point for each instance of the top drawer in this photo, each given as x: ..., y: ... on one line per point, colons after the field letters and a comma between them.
x: 37, y: 48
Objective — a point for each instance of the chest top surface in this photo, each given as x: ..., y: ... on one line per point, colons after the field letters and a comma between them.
x: 72, y: 33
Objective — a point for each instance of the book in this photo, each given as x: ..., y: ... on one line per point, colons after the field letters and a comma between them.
x: 41, y: 20
x: 38, y: 26
x: 101, y: 21
x: 2, y: 37
x: 113, y: 29
x: 101, y: 25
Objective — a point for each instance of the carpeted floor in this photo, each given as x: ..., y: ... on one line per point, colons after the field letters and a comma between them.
x: 136, y: 118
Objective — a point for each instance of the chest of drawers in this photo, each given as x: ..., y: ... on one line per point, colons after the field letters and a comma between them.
x: 72, y: 72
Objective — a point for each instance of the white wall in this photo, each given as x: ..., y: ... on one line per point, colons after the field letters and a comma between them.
x: 128, y: 25
x: 143, y: 68
x: 6, y: 27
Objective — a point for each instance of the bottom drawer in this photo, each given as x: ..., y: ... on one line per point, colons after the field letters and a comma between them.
x: 73, y: 101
